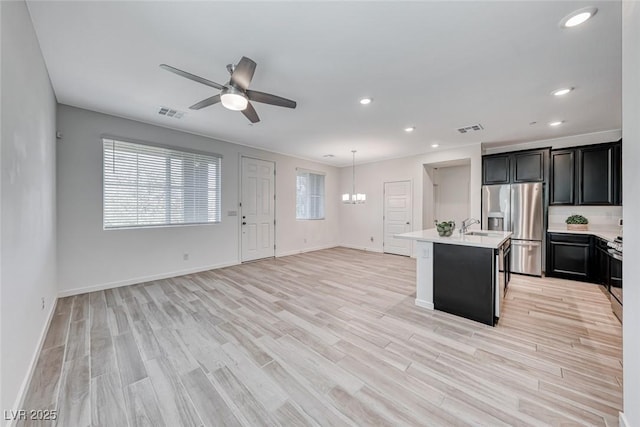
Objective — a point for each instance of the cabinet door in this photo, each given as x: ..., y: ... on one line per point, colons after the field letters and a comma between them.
x: 570, y: 257
x: 596, y: 175
x: 495, y: 169
x: 617, y: 173
x: 468, y: 291
x: 562, y: 177
x: 602, y: 264
x: 528, y: 166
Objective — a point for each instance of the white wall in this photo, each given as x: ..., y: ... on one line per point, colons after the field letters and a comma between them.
x: 451, y: 193
x: 28, y: 237
x: 360, y: 223
x: 91, y: 258
x: 631, y: 208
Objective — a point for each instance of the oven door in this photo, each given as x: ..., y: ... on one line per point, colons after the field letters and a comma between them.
x: 615, y: 282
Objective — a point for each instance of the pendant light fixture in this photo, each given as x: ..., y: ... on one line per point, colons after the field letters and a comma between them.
x: 354, y: 197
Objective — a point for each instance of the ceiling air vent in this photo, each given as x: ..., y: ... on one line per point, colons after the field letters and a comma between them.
x: 169, y: 112
x: 471, y: 128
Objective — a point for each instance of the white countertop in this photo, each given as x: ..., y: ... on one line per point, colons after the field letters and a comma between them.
x: 604, y: 232
x: 431, y: 235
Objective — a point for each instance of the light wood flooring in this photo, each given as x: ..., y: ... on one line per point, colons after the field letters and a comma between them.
x: 327, y: 338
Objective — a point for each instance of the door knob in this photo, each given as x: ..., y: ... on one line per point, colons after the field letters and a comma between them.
x: 408, y: 222
x: 244, y: 223
x: 243, y: 217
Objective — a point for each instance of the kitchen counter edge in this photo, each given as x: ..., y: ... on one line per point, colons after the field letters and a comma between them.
x: 431, y: 235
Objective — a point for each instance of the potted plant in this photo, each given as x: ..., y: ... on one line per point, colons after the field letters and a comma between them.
x: 445, y: 229
x: 577, y: 222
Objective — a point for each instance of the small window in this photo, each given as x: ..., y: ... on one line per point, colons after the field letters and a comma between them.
x: 146, y: 185
x: 309, y: 195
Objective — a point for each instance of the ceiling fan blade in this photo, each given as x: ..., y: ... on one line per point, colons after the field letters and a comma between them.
x: 206, y: 102
x: 243, y: 73
x: 191, y: 76
x: 267, y: 98
x: 250, y: 113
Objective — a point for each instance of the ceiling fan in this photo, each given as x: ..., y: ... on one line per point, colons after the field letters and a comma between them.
x: 235, y: 95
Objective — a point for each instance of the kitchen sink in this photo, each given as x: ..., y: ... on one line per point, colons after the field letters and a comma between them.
x: 483, y: 234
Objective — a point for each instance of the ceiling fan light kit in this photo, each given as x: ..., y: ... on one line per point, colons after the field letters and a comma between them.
x: 235, y: 95
x: 233, y: 99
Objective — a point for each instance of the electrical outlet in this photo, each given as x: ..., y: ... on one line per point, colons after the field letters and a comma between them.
x: 305, y: 240
x: 42, y: 299
x: 372, y: 239
x: 185, y: 256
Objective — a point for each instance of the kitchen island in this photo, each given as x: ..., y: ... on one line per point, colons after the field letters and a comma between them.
x: 461, y: 274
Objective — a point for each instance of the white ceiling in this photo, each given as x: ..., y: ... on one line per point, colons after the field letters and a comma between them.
x: 433, y: 65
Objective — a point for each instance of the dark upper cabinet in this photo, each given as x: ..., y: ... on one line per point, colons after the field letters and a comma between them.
x: 617, y: 173
x: 516, y: 167
x: 595, y: 175
x: 529, y: 166
x: 588, y: 175
x: 562, y: 177
x: 495, y: 169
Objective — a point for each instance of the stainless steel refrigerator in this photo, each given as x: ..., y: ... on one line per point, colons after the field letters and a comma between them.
x: 517, y: 208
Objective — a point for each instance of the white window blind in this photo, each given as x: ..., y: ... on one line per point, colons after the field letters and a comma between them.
x: 310, y: 195
x: 146, y: 185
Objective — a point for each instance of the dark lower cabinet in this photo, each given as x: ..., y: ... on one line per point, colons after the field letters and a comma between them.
x: 463, y: 278
x: 569, y: 256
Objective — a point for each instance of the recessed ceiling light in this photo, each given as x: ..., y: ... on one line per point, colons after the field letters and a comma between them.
x: 563, y: 91
x: 435, y: 145
x: 578, y: 17
x: 410, y: 129
x: 328, y: 155
x: 365, y: 101
x: 556, y: 123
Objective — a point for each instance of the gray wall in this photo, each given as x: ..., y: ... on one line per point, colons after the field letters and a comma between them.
x: 91, y: 258
x: 28, y: 214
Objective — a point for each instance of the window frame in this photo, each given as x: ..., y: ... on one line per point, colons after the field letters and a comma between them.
x: 323, y: 196
x: 105, y: 138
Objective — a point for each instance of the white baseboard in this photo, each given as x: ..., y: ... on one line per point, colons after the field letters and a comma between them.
x: 424, y: 304
x: 302, y: 251
x: 142, y: 279
x: 22, y: 393
x: 622, y: 420
x: 361, y: 248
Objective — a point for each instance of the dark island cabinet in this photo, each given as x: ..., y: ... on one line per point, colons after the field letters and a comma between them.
x: 515, y: 167
x: 588, y: 175
x: 570, y: 256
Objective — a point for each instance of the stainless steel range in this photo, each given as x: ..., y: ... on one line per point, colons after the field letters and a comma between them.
x: 615, y: 275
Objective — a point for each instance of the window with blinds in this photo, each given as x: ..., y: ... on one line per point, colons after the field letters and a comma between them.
x: 146, y: 185
x: 309, y: 195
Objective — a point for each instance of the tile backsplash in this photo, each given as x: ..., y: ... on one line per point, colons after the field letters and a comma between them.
x: 597, y: 215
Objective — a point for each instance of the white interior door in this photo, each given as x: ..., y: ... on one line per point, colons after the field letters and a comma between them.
x: 398, y: 209
x: 257, y: 209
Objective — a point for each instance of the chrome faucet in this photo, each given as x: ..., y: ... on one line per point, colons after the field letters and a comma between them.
x: 468, y: 223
